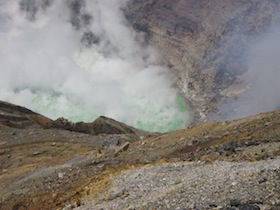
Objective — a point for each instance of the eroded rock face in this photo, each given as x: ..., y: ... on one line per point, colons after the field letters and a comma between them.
x: 204, y: 42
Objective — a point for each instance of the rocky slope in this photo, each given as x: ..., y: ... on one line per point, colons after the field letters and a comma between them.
x: 45, y: 166
x: 37, y: 152
x: 204, y: 42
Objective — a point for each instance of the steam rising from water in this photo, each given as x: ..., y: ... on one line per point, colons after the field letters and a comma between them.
x: 80, y: 60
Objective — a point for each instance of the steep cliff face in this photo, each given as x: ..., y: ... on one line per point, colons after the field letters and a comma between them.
x: 205, y: 42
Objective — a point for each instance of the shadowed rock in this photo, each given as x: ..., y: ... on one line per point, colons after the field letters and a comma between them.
x: 20, y: 117
x: 101, y: 125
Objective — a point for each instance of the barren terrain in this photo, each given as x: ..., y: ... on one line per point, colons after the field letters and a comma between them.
x: 47, y: 167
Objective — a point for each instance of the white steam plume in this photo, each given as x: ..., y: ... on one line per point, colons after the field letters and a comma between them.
x: 262, y: 79
x: 80, y: 60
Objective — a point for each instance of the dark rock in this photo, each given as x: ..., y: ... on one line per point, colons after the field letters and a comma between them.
x: 11, y: 108
x: 103, y: 125
x: 122, y: 148
x: 235, y: 202
x: 229, y: 208
x: 275, y: 207
x: 18, y: 206
x: 213, y: 205
x: 20, y: 117
x: 63, y: 123
x: 231, y: 147
x: 111, y: 141
x: 249, y: 207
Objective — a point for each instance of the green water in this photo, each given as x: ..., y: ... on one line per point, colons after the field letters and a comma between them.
x: 147, y: 116
x: 181, y: 104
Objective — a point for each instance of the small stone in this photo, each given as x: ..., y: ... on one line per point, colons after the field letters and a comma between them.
x: 36, y: 153
x: 249, y: 207
x: 215, y: 195
x: 194, y: 142
x: 189, y: 143
x: 124, y: 147
x: 235, y: 202
x: 36, y: 199
x: 271, y: 202
x: 55, y: 195
x: 267, y: 124
x: 178, y: 181
x: 232, y: 190
x: 275, y: 208
x: 115, y: 193
x: 53, y: 144
x: 234, y: 183
x: 208, y: 160
x: 60, y: 175
x: 217, y: 208
x: 252, y: 159
x: 2, y: 152
x: 212, y: 205
x: 125, y: 194
x: 77, y: 202
x: 130, y: 207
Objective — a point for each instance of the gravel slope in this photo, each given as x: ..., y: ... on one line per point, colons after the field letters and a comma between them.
x: 185, y: 185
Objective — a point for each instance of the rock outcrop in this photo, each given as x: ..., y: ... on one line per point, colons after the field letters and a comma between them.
x: 205, y: 42
x: 101, y: 125
x: 20, y: 117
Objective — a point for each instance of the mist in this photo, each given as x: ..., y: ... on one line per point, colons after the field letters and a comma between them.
x: 262, y: 91
x: 81, y: 59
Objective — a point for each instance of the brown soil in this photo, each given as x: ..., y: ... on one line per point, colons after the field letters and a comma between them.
x: 45, y: 168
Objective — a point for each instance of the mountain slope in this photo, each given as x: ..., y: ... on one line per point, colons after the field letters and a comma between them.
x: 52, y: 167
